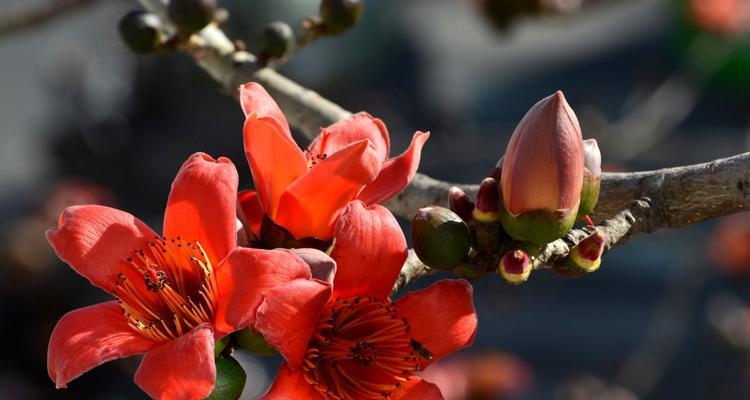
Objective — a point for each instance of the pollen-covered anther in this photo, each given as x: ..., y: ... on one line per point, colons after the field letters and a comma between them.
x: 167, y: 289
x: 362, y: 350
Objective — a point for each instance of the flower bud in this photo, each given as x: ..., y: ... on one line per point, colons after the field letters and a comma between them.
x: 587, y: 255
x: 140, y: 30
x: 230, y: 379
x: 275, y: 41
x: 515, y: 267
x: 253, y: 342
x: 340, y: 15
x: 592, y: 177
x: 542, y: 173
x: 486, y: 210
x: 441, y: 239
x: 460, y: 203
x: 190, y: 16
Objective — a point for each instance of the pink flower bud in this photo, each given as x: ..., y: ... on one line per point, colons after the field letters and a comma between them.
x: 542, y: 172
x: 592, y: 177
x: 515, y: 267
x: 460, y: 203
x: 486, y: 209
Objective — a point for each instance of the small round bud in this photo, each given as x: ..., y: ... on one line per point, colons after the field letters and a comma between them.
x: 586, y: 257
x: 190, y: 16
x: 140, y: 31
x: 230, y: 380
x: 340, y: 15
x: 486, y: 210
x: 515, y: 267
x: 276, y: 40
x: 253, y: 342
x: 460, y: 203
x: 441, y: 239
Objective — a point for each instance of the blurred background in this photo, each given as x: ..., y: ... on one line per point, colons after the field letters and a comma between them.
x: 658, y: 83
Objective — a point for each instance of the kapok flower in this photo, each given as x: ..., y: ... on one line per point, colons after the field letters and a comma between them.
x: 305, y: 191
x: 542, y: 172
x: 175, y: 294
x: 349, y: 340
x: 726, y: 17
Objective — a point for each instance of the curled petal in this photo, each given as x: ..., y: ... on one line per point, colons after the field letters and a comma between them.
x: 321, y: 265
x: 445, y: 307
x: 310, y: 206
x: 369, y: 251
x: 88, y: 337
x: 275, y: 160
x: 96, y: 241
x: 183, y: 368
x: 254, y: 99
x: 250, y: 211
x: 244, y: 275
x: 290, y: 384
x: 352, y: 129
x: 203, y: 205
x: 396, y: 173
x: 289, y: 316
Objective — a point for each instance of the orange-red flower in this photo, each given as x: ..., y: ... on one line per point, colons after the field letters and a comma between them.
x: 176, y: 294
x: 725, y: 17
x: 349, y: 340
x: 305, y: 191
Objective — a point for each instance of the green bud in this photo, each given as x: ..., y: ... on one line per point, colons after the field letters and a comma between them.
x: 276, y: 40
x: 140, y: 30
x: 486, y: 209
x: 221, y: 345
x: 253, y: 342
x: 340, y: 15
x: 441, y: 239
x: 190, y: 16
x: 515, y: 267
x: 230, y: 380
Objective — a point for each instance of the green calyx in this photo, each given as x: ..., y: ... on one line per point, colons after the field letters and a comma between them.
x: 276, y: 40
x: 340, y: 15
x: 589, y: 194
x: 441, y: 238
x: 538, y: 226
x: 253, y: 342
x: 230, y: 379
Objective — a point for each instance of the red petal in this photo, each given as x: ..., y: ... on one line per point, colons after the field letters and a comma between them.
x: 289, y: 316
x: 96, y: 241
x: 349, y: 130
x: 88, y: 337
x: 396, y: 173
x: 445, y: 307
x: 275, y: 160
x: 310, y: 206
x: 254, y: 99
x: 244, y: 275
x: 417, y: 389
x: 290, y: 384
x: 369, y: 251
x: 203, y: 205
x: 322, y: 267
x: 250, y: 211
x: 180, y: 369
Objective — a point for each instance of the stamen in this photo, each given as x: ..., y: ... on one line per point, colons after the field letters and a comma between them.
x: 362, y: 350
x: 178, y: 293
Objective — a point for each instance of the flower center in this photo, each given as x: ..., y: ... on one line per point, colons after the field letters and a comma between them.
x: 317, y: 153
x: 168, y: 290
x: 362, y: 350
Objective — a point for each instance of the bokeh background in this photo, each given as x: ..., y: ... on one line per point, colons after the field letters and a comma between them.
x: 83, y: 120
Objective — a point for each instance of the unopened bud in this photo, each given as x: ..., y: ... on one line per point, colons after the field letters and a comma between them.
x: 140, y: 30
x: 542, y: 173
x: 253, y: 342
x: 230, y: 379
x: 340, y: 15
x: 190, y: 16
x: 441, y: 239
x: 592, y: 177
x: 486, y: 210
x: 275, y: 41
x: 586, y: 257
x: 515, y: 267
x: 460, y: 203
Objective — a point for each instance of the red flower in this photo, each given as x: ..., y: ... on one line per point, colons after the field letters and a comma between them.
x: 304, y: 192
x: 348, y: 340
x: 725, y: 17
x: 176, y: 294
